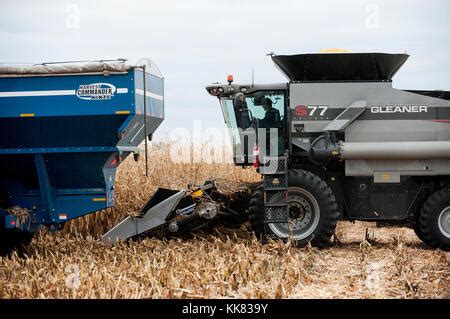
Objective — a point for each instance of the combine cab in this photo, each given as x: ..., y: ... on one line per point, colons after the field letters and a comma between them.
x: 64, y: 129
x: 338, y: 142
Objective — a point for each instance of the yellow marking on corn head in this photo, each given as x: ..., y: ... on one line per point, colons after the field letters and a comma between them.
x: 197, y: 193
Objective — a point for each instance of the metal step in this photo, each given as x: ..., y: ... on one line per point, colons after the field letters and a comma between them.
x: 274, y: 165
x: 275, y: 184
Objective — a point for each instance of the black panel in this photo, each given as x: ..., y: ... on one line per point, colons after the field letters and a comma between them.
x: 381, y: 201
x: 65, y: 170
x: 340, y: 66
x: 159, y: 196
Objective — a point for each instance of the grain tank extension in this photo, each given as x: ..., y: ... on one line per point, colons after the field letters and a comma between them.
x: 344, y: 144
x: 64, y: 129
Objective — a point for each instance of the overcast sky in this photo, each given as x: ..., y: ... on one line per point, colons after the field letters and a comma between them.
x: 195, y: 43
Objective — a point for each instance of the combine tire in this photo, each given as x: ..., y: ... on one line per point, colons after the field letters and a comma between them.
x: 416, y: 227
x: 434, y: 220
x: 312, y: 209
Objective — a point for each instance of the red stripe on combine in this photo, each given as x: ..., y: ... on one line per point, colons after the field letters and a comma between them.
x: 441, y: 121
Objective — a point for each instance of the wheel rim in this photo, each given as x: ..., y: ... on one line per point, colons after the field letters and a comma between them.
x: 304, y: 214
x: 444, y: 222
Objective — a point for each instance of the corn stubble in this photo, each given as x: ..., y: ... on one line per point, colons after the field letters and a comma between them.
x: 221, y: 264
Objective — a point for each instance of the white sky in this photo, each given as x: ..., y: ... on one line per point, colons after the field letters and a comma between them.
x: 195, y: 43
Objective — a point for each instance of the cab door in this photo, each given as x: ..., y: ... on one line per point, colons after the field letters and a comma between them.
x: 253, y: 126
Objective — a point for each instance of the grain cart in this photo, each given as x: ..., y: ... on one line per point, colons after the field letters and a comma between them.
x: 64, y: 129
x: 339, y: 142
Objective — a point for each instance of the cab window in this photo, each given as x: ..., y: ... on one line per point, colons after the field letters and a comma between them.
x: 257, y: 103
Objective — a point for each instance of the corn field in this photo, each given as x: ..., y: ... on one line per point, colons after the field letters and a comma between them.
x: 363, y: 262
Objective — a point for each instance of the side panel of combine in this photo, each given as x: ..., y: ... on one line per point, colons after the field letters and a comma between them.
x: 394, y: 117
x: 373, y: 113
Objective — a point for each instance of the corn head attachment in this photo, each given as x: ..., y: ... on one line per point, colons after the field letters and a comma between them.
x: 184, y: 211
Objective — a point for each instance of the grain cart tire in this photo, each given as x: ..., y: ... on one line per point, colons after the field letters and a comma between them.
x: 311, y: 205
x: 434, y: 220
x: 12, y: 239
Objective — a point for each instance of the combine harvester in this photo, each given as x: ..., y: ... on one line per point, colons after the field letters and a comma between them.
x: 345, y: 144
x: 337, y: 142
x: 64, y: 129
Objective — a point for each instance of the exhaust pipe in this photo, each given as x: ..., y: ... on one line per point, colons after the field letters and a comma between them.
x: 325, y: 148
x: 395, y: 150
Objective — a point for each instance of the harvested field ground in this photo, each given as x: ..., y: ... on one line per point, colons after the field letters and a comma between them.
x: 392, y: 263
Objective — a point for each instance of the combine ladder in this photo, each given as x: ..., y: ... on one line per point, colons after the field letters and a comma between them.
x: 275, y: 183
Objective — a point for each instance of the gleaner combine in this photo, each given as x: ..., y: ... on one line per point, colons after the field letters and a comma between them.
x: 344, y: 145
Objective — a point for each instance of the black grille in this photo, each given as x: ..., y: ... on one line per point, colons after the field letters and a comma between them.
x: 275, y: 197
x: 276, y: 215
x: 277, y: 181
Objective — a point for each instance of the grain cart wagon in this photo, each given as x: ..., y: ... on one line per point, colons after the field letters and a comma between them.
x: 64, y: 129
x: 339, y: 142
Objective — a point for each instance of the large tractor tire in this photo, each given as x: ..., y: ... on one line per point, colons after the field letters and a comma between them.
x: 433, y: 223
x: 416, y: 228
x: 312, y: 209
x: 12, y: 239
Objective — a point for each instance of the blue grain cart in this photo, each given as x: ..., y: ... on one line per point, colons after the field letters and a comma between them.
x: 64, y: 129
